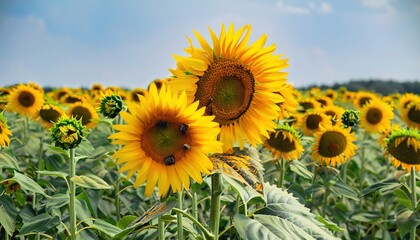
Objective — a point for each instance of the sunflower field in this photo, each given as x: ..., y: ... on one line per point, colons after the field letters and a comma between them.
x: 224, y: 148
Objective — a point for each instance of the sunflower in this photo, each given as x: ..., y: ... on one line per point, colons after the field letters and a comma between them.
x: 84, y: 112
x: 72, y: 98
x: 324, y: 101
x: 331, y: 93
x: 406, y: 99
x: 307, y: 104
x: 333, y: 145
x: 362, y: 98
x: 25, y: 100
x: 289, y: 105
x: 236, y: 83
x: 335, y: 112
x: 49, y: 114
x: 4, y: 132
x: 284, y: 143
x: 311, y: 122
x: 411, y: 114
x: 57, y: 94
x: 166, y: 141
x: 403, y: 145
x: 136, y: 93
x: 376, y: 116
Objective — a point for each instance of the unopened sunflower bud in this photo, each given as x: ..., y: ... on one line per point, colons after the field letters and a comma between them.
x: 350, y: 118
x: 67, y: 133
x: 111, y: 105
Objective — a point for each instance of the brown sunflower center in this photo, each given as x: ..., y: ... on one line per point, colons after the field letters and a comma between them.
x: 49, y: 115
x: 306, y: 106
x: 414, y: 114
x: 404, y: 153
x: 226, y: 90
x: 332, y: 144
x: 80, y: 112
x: 312, y: 121
x: 26, y: 99
x: 166, y: 142
x: 374, y: 116
x: 364, y: 100
x: 280, y: 143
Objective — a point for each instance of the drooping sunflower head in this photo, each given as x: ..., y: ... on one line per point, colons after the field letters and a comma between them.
x: 289, y: 105
x: 362, y: 98
x: 111, y: 105
x: 49, y: 114
x: 67, y: 132
x: 166, y: 141
x: 5, y: 132
x: 84, y: 112
x: 335, y: 112
x: 404, y: 147
x: 376, y: 116
x: 236, y: 83
x: 284, y: 143
x: 25, y: 100
x: 411, y: 114
x: 333, y: 146
x: 311, y: 122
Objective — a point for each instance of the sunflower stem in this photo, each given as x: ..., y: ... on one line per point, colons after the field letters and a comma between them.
x: 25, y: 130
x: 324, y: 203
x: 179, y: 216
x: 282, y: 165
x: 117, y: 182
x: 72, y: 192
x: 216, y: 192
x: 195, y: 209
x: 206, y: 232
x: 161, y: 226
x: 413, y: 198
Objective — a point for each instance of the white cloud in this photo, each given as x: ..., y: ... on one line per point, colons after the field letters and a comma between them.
x: 380, y: 5
x: 310, y: 7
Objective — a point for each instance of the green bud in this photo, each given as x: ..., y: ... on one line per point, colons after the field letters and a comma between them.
x: 111, y: 105
x: 350, y: 118
x: 67, y: 132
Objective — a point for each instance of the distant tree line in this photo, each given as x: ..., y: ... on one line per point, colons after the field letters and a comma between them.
x: 384, y: 87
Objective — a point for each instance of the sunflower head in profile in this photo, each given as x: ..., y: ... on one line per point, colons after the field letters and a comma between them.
x: 333, y: 146
x: 67, y: 133
x: 284, y: 143
x: 311, y: 122
x: 166, y: 141
x: 411, y: 114
x: 97, y: 88
x: 84, y: 112
x: 25, y: 100
x: 335, y: 112
x: 49, y: 114
x: 58, y: 93
x: 403, y: 145
x: 111, y: 104
x: 5, y: 132
x: 236, y: 83
x: 362, y: 98
x: 376, y: 116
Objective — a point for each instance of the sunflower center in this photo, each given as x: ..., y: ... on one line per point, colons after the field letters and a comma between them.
x: 49, y: 115
x: 312, y: 122
x: 414, y: 115
x: 306, y: 106
x: 374, y: 116
x: 280, y: 143
x: 364, y: 100
x: 226, y: 90
x: 166, y: 142
x: 332, y: 144
x: 26, y: 99
x: 80, y: 112
x: 405, y: 153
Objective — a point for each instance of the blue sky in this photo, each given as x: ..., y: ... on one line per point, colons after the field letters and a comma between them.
x: 130, y: 43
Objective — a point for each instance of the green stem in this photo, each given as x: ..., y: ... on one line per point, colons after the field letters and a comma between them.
x: 282, y: 165
x: 344, y: 172
x: 161, y: 225
x: 206, y: 232
x: 413, y: 198
x: 72, y: 191
x: 117, y: 199
x: 216, y: 192
x: 25, y: 130
x: 179, y: 217
x: 324, y: 203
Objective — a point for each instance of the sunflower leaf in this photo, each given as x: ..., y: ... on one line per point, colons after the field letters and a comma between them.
x: 7, y: 221
x: 29, y: 184
x: 90, y: 181
x: 8, y: 161
x: 59, y: 150
x: 300, y: 169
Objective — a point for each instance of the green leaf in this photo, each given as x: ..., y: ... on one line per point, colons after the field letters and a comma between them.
x: 368, y: 217
x: 249, y: 228
x: 7, y: 221
x: 59, y: 151
x: 246, y: 193
x: 406, y: 221
x: 125, y: 221
x: 90, y: 181
x: 57, y: 201
x: 39, y: 223
x: 403, y: 197
x: 379, y: 185
x: 330, y: 225
x: 53, y: 174
x: 8, y: 161
x: 29, y: 184
x: 342, y: 189
x: 300, y: 169
x: 105, y: 227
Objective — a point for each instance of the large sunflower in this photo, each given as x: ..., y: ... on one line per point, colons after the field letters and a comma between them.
x: 411, y: 114
x: 376, y: 116
x: 284, y: 143
x: 25, y: 100
x: 333, y: 145
x: 49, y: 114
x: 311, y: 122
x: 166, y: 141
x: 4, y: 132
x: 404, y: 147
x: 85, y: 112
x: 236, y: 83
